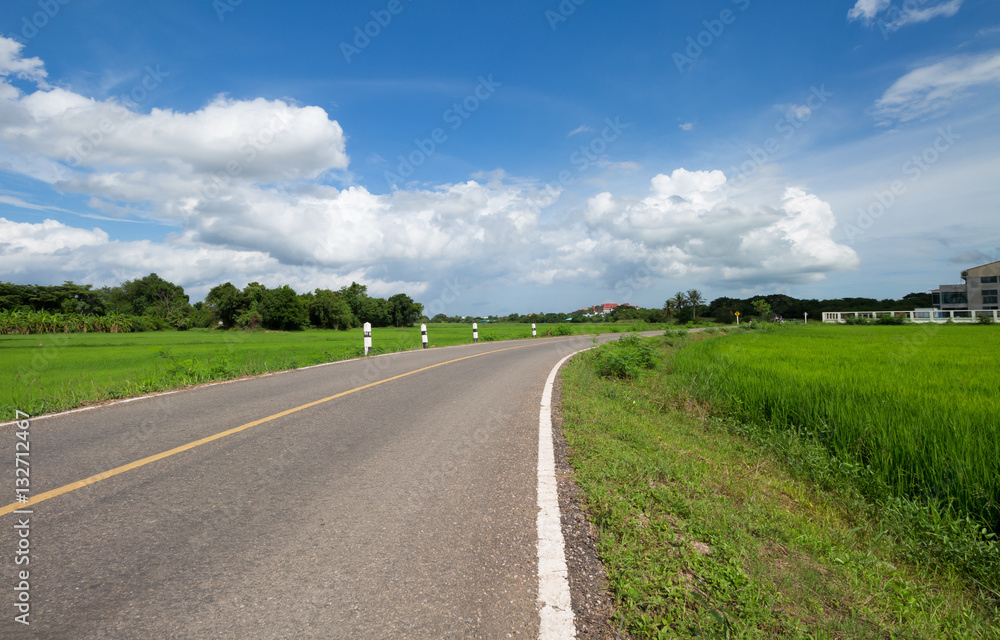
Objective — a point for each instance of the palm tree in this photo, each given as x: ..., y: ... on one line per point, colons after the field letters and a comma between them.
x: 670, y: 308
x: 679, y: 301
x: 694, y: 298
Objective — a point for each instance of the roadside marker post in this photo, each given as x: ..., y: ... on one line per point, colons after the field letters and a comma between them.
x: 475, y: 332
x: 806, y: 315
x: 368, y: 338
x: 533, y: 333
x: 423, y: 334
x: 737, y: 318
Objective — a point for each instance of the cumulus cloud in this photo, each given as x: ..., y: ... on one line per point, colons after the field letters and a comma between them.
x: 51, y: 252
x: 98, y: 142
x: 687, y: 226
x: 931, y: 89
x: 243, y: 183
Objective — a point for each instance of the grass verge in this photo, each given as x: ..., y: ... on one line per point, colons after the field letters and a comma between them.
x: 706, y: 532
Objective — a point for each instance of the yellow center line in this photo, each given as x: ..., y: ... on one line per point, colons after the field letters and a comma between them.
x: 79, y: 484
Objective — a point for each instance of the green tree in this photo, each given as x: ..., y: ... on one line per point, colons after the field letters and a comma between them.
x: 404, y: 311
x: 680, y: 300
x: 226, y: 303
x: 250, y: 316
x: 328, y: 310
x: 695, y: 298
x: 151, y: 296
x: 281, y: 309
x: 355, y: 296
x: 202, y: 316
x: 625, y: 312
x: 79, y: 298
x: 375, y: 311
x: 670, y: 308
x: 763, y: 309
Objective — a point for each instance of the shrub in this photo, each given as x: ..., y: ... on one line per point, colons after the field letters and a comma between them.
x: 149, y: 323
x: 625, y: 358
x: 562, y: 330
x: 984, y: 319
x: 893, y: 319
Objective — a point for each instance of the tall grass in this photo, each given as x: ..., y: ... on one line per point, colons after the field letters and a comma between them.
x: 914, y: 407
x: 33, y: 322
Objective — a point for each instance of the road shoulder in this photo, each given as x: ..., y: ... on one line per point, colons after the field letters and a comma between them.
x: 593, y: 604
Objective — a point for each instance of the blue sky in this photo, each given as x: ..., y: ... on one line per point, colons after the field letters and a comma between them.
x: 502, y: 157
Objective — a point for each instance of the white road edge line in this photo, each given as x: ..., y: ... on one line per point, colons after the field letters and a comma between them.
x: 555, y: 606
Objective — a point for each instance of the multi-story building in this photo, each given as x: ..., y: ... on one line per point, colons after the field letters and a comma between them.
x: 978, y: 291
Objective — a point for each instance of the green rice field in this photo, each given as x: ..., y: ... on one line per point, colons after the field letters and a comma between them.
x: 916, y: 408
x: 43, y: 373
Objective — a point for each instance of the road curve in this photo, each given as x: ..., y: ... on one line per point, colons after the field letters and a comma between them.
x: 388, y: 497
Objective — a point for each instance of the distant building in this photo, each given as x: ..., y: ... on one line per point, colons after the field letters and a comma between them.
x: 978, y: 291
x: 605, y: 309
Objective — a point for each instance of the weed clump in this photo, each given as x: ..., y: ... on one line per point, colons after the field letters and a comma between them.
x: 626, y: 358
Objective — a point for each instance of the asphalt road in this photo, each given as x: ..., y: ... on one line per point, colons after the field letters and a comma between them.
x: 403, y: 509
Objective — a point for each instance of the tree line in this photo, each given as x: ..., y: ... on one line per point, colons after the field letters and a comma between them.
x: 152, y: 303
x: 691, y: 305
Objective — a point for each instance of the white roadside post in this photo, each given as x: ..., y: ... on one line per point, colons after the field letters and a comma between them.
x: 533, y: 333
x: 475, y: 332
x: 806, y: 315
x: 368, y: 338
x: 737, y: 318
x: 423, y: 334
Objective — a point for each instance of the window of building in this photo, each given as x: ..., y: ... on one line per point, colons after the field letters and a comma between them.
x: 954, y: 298
x: 935, y: 298
x: 989, y: 299
x: 988, y: 279
x: 989, y: 292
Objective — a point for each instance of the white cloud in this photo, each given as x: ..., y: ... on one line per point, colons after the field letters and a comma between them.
x: 867, y: 9
x: 46, y: 238
x: 50, y: 251
x: 931, y: 89
x: 227, y: 142
x: 14, y: 201
x: 687, y: 226
x: 917, y: 15
x: 897, y: 17
x: 11, y: 63
x: 686, y: 126
x: 241, y: 180
x: 581, y: 129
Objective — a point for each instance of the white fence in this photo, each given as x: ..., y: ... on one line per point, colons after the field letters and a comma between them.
x: 920, y: 315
